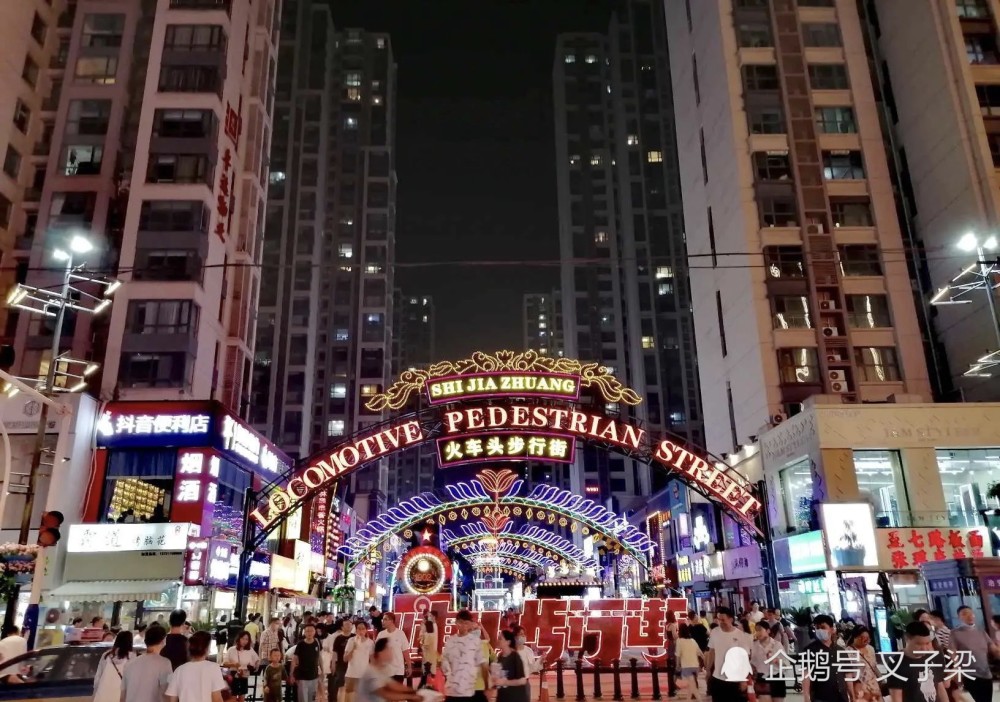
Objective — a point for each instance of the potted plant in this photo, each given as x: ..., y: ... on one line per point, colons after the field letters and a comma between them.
x: 898, y: 621
x: 848, y: 551
x: 649, y: 589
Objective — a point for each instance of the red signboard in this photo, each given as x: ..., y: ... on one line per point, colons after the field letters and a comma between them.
x: 909, y: 548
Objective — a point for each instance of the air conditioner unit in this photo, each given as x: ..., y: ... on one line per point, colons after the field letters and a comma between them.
x: 836, y: 376
x: 778, y: 418
x: 814, y: 229
x: 827, y: 305
x: 834, y: 357
x: 830, y: 332
x: 840, y: 387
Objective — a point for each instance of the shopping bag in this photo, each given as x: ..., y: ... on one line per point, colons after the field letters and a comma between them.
x: 436, y: 682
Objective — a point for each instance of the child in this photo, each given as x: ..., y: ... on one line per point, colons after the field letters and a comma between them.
x: 274, y: 674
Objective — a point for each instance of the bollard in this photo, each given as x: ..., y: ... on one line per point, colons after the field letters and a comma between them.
x: 634, y: 670
x: 597, y: 680
x: 617, y: 679
x: 656, y: 680
x: 579, y: 680
x: 671, y: 682
x: 560, y: 689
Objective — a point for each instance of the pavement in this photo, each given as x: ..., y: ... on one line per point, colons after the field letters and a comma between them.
x: 607, y: 689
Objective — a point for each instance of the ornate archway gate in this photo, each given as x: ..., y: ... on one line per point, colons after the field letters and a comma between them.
x: 494, y: 408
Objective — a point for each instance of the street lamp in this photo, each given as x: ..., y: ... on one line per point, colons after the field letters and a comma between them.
x: 978, y: 275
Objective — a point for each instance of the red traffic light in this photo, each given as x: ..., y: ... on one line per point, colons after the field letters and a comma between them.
x: 48, y: 529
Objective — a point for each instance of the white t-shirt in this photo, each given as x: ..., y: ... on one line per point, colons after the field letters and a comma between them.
x: 755, y: 617
x: 245, y: 657
x: 360, y: 650
x: 461, y: 660
x: 720, y: 642
x: 12, y: 647
x: 397, y: 644
x: 196, y: 681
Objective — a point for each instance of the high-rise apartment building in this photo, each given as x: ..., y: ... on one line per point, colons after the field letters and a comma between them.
x: 799, y: 283
x: 326, y: 318
x: 542, y: 323
x: 940, y: 82
x: 33, y: 36
x: 159, y: 129
x: 625, y: 297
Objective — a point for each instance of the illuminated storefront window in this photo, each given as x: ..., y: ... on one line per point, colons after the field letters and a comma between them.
x: 966, y: 477
x: 797, y: 486
x: 880, y: 481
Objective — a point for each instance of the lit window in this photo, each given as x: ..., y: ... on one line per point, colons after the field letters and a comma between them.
x: 633, y: 139
x: 373, y: 318
x: 595, y: 160
x: 341, y: 335
x: 338, y: 390
x: 369, y: 390
x: 354, y: 94
x: 351, y: 122
x: 380, y: 43
x: 424, y: 319
x: 574, y: 160
x: 648, y: 343
x: 425, y: 301
x: 664, y: 272
x: 373, y: 268
x: 676, y: 417
x: 353, y: 79
x: 413, y: 300
x: 654, y: 156
x: 570, y: 58
x: 276, y: 177
x: 600, y: 237
x: 591, y: 58
x: 542, y: 325
x: 335, y: 427
x: 665, y: 289
x: 376, y: 99
x: 345, y: 250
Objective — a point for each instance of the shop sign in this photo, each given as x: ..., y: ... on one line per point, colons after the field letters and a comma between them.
x: 100, y: 538
x: 260, y: 571
x: 555, y: 386
x: 742, y: 563
x: 802, y: 553
x: 991, y: 582
x: 711, y: 565
x: 282, y: 573
x: 207, y: 562
x: 911, y: 547
x: 303, y: 563
x: 113, y: 425
x: 685, y: 572
x: 245, y: 442
x: 505, y: 446
x: 943, y: 585
x: 196, y: 561
x: 810, y: 586
x: 850, y: 535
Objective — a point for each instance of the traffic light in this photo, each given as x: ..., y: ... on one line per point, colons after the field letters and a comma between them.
x: 48, y: 530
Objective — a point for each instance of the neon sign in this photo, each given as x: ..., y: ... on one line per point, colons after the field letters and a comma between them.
x: 425, y: 570
x: 112, y: 425
x: 556, y: 386
x: 477, y: 448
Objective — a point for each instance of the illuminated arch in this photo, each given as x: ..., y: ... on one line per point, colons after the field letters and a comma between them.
x: 473, y: 554
x: 518, y: 565
x: 528, y: 535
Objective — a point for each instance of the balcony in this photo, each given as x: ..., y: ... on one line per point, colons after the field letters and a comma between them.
x: 32, y: 194
x: 224, y: 5
x: 41, y: 148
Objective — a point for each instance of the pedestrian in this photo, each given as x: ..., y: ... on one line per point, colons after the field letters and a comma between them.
x: 270, y: 638
x: 243, y: 661
x: 429, y: 646
x: 377, y: 684
x: 11, y: 646
x: 461, y: 658
x: 823, y: 677
x: 306, y: 665
x: 398, y: 646
x: 866, y: 687
x: 779, y: 632
x: 766, y: 658
x: 274, y: 675
x: 490, y: 656
x: 252, y: 628
x: 139, y: 636
x: 918, y: 678
x: 335, y: 645
x: 690, y: 660
x: 74, y: 632
x: 221, y: 633
x: 967, y: 637
x: 672, y: 627
x: 376, y: 619
x: 722, y: 638
x: 755, y: 614
x: 699, y: 631
x: 108, y: 679
x: 199, y: 679
x: 145, y: 679
x: 357, y: 653
x: 531, y: 665
x: 511, y: 679
x: 995, y: 625
x: 176, y: 646
x: 939, y: 629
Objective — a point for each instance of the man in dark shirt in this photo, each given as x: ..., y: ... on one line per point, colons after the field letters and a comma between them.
x: 376, y: 617
x: 824, y: 677
x: 698, y: 631
x: 306, y: 664
x: 919, y: 676
x: 176, y: 646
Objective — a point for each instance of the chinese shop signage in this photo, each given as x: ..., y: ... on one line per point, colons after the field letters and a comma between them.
x: 555, y: 626
x: 207, y: 562
x: 103, y: 538
x: 909, y: 548
x: 505, y: 447
x: 685, y: 571
x: 556, y: 386
x: 742, y: 563
x: 802, y: 553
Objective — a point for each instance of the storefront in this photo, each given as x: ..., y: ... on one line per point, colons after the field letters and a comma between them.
x: 803, y: 578
x: 744, y: 577
x: 972, y: 582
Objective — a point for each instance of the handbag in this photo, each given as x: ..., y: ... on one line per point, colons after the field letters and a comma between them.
x: 883, y: 686
x: 239, y: 686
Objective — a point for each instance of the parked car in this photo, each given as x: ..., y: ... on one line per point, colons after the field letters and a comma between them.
x: 64, y: 673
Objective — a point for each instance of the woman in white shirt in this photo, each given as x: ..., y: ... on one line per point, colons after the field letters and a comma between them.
x: 765, y: 659
x: 242, y: 660
x: 358, y: 654
x: 108, y: 679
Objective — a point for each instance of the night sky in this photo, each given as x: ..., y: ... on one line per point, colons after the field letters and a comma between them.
x: 475, y: 153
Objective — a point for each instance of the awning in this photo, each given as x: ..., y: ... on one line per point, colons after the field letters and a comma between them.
x: 113, y: 590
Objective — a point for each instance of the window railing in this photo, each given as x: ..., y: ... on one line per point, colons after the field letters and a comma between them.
x: 201, y: 5
x: 792, y: 320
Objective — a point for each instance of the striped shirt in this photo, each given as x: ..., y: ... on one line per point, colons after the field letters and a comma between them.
x: 269, y: 640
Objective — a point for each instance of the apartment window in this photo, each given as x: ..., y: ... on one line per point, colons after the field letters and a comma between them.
x: 722, y: 322
x: 664, y: 272
x: 38, y: 29
x: 989, y: 100
x: 972, y: 9
x: 784, y: 262
x: 570, y: 58
x: 194, y: 37
x: 167, y: 264
x: 772, y: 166
x: 173, y: 216
x: 178, y: 168
x: 766, y: 120
x: 192, y: 124
x: 851, y: 213
x: 369, y: 390
x: 102, y: 30
x: 654, y: 156
x: 791, y: 312
x: 153, y: 370
x: 162, y: 317
x: 994, y: 141
x: 595, y: 160
x: 843, y: 165
x: 868, y: 311
x: 877, y: 364
x: 81, y: 159
x: 30, y: 72
x: 352, y: 79
x: 591, y: 58
x: 859, y: 260
x: 798, y: 365
x: 760, y: 77
x: 981, y: 49
x: 353, y: 95
x: 750, y: 3
x: 648, y: 342
x: 815, y: 3
x: 345, y: 250
x: 88, y: 117
x: 22, y: 116
x: 601, y: 237
x: 835, y: 120
x: 754, y: 35
x: 189, y: 79
x: 100, y: 70
x: 12, y: 162
x: 777, y: 211
x: 5, y: 209
x: 828, y: 76
x: 820, y: 34
x: 350, y: 122
x: 335, y: 427
x: 632, y: 139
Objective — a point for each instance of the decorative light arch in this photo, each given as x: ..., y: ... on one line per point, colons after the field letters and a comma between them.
x: 516, y: 564
x: 536, y: 558
x: 528, y: 535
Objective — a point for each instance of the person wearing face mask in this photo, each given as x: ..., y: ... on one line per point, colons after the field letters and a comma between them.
x: 976, y: 676
x: 527, y: 656
x: 823, y: 680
